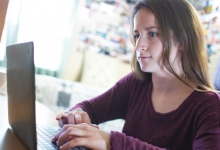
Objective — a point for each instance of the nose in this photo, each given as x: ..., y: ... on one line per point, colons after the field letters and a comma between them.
x: 140, y: 44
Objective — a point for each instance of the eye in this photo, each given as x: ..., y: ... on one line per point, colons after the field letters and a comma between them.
x: 153, y: 34
x: 136, y: 36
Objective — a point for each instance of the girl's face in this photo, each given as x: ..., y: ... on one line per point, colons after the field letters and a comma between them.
x: 148, y: 42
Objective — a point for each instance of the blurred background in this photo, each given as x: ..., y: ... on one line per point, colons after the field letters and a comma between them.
x: 88, y: 40
x: 82, y: 47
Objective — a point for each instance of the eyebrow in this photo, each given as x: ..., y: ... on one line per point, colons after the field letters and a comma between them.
x: 149, y: 28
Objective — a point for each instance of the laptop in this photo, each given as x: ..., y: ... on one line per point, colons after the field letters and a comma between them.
x: 21, y: 99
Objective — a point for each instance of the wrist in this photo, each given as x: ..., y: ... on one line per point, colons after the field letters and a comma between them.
x: 107, y: 140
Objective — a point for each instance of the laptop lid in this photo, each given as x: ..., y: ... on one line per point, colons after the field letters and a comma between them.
x: 21, y: 92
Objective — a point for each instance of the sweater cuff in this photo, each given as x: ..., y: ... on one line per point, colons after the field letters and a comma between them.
x: 117, y: 140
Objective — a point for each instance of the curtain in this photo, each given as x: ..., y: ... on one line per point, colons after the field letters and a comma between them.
x: 49, y: 24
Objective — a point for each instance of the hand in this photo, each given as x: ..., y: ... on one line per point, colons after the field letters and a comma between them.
x: 76, y: 116
x: 82, y: 135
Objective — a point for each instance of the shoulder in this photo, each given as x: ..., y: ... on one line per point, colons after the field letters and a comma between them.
x: 209, y: 96
x: 207, y: 102
x: 207, y: 111
x: 202, y: 103
x: 129, y: 76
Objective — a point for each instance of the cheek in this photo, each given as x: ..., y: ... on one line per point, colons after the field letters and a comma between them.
x: 157, y: 51
x: 157, y: 45
x: 137, y: 54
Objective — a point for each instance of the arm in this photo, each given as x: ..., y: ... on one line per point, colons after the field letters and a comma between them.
x: 93, y: 138
x: 110, y: 105
x: 123, y: 142
x: 207, y: 126
x: 107, y: 106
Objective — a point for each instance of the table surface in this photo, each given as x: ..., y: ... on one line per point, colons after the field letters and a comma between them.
x: 8, y: 139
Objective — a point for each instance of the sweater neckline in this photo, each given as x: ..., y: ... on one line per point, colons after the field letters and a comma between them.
x: 171, y: 112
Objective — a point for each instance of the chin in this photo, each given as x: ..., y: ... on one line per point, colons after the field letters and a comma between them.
x: 148, y: 70
x: 149, y: 67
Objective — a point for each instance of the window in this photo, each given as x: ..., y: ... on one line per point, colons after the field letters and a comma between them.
x: 48, y: 23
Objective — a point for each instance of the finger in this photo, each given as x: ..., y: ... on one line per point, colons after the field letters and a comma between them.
x: 73, y: 143
x: 71, y: 117
x: 62, y: 119
x: 78, y: 110
x: 85, y: 118
x: 72, y: 132
x: 78, y: 115
x: 70, y: 138
x: 94, y: 125
x: 68, y: 127
x: 86, y: 127
x: 76, y: 135
x: 62, y: 122
x: 61, y: 115
x: 57, y: 135
x: 78, y: 118
x: 74, y: 116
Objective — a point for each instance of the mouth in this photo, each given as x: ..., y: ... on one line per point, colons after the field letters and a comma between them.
x: 143, y: 57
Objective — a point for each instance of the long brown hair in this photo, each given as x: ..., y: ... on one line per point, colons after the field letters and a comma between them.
x: 180, y: 17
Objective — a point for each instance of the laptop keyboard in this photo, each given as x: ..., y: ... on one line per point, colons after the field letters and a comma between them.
x: 44, y: 136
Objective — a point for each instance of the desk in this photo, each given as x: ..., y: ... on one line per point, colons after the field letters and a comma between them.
x: 8, y: 140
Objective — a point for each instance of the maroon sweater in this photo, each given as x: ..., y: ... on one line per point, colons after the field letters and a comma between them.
x: 193, y: 125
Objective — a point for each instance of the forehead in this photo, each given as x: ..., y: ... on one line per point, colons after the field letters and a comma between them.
x: 145, y: 18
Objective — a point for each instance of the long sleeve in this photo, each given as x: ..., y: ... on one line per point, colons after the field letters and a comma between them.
x: 198, y: 131
x: 110, y: 105
x: 123, y: 142
x: 207, y: 125
x: 194, y: 125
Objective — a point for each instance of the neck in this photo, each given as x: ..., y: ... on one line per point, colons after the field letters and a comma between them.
x: 169, y: 84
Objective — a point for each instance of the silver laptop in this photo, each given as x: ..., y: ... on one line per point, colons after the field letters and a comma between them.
x: 21, y: 99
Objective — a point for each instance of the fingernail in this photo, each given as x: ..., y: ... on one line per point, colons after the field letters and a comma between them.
x: 96, y: 126
x: 78, y: 119
x: 77, y: 116
x: 53, y: 140
x: 61, y: 147
x: 79, y: 110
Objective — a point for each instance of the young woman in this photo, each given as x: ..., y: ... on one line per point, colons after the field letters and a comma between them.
x: 167, y: 102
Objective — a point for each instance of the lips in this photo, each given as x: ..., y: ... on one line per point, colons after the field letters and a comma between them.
x: 143, y: 57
